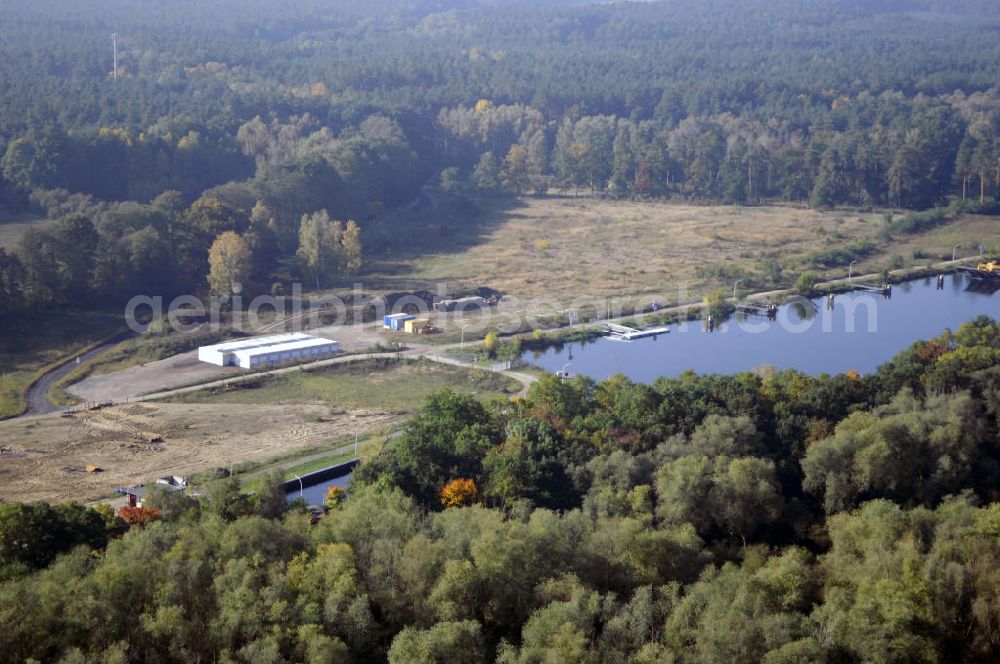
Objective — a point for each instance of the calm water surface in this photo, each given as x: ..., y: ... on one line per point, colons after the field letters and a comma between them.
x: 861, y: 332
x: 314, y: 494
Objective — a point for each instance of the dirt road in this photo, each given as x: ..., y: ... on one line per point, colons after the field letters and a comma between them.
x: 38, y: 394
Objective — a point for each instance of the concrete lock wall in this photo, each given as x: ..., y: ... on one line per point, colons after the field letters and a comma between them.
x: 322, y: 475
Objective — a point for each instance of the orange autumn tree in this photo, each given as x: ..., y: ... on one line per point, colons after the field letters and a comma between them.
x: 139, y: 516
x: 334, y: 496
x: 458, y: 492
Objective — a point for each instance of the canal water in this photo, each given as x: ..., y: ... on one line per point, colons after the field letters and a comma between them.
x: 315, y: 493
x: 860, y: 332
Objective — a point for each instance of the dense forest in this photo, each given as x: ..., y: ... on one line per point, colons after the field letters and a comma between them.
x: 221, y: 107
x: 762, y: 517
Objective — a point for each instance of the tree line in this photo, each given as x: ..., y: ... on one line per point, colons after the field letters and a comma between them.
x: 891, y: 151
x: 106, y: 253
x: 887, y: 150
x: 761, y: 517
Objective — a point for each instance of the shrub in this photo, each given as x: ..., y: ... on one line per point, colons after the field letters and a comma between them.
x: 841, y: 256
x: 490, y: 343
x: 806, y: 282
x: 917, y: 222
x: 138, y: 516
x: 715, y: 305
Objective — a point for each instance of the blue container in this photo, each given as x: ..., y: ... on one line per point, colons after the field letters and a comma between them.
x: 399, y: 322
x: 396, y: 321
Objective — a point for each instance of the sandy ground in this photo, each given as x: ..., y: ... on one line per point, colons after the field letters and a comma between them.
x: 183, y: 369
x: 44, y: 458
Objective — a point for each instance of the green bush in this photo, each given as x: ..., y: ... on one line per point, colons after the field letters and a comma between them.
x: 918, y: 222
x: 806, y: 282
x: 841, y: 256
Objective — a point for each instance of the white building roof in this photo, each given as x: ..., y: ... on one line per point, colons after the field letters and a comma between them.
x: 258, y: 342
x: 288, y: 346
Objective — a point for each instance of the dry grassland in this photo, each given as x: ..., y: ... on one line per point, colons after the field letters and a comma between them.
x: 969, y: 231
x: 565, y: 248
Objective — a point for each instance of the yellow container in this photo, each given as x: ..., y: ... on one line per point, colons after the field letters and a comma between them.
x: 415, y: 325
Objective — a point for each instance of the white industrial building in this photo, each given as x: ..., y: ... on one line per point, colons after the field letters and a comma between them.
x: 254, y: 352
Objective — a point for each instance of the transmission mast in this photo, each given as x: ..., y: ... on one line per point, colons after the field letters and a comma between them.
x: 114, y: 43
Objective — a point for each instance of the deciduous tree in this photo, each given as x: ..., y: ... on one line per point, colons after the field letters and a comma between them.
x: 321, y: 251
x: 229, y: 262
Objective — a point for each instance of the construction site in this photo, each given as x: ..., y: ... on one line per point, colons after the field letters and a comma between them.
x: 86, y: 454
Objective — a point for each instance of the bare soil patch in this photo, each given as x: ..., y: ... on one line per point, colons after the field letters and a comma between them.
x: 45, y: 458
x: 182, y: 369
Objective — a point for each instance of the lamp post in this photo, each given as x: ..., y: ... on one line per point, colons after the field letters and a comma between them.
x: 301, y: 488
x: 461, y: 344
x: 738, y: 282
x: 850, y: 271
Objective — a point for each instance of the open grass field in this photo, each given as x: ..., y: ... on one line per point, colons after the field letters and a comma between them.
x: 399, y: 386
x: 968, y: 232
x: 566, y: 248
